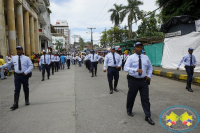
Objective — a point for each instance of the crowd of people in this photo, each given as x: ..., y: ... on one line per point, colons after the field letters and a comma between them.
x: 137, y: 65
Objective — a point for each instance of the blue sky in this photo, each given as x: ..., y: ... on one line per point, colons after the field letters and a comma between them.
x: 82, y: 14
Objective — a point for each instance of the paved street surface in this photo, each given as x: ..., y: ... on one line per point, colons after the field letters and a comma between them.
x: 73, y: 102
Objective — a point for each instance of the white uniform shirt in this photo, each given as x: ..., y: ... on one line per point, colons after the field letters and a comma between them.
x: 51, y: 58
x: 109, y: 61
x: 68, y: 57
x: 47, y: 60
x: 26, y: 64
x: 57, y: 58
x: 90, y: 57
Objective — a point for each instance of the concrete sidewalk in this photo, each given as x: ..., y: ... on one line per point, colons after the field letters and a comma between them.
x: 176, y: 74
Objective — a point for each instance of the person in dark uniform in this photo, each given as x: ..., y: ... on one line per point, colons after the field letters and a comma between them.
x: 190, y: 63
x: 52, y: 64
x: 140, y: 70
x: 68, y: 57
x: 94, y: 58
x: 87, y: 62
x: 123, y: 60
x: 45, y: 62
x: 23, y: 67
x: 113, y: 61
x: 57, y: 60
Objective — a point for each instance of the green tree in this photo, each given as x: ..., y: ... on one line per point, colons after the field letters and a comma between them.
x: 115, y: 16
x: 82, y: 43
x: 179, y: 7
x: 133, y: 12
x: 149, y: 27
x: 107, y: 37
x: 59, y: 46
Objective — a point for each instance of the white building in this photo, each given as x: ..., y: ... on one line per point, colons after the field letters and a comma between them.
x: 62, y: 27
x: 44, y: 24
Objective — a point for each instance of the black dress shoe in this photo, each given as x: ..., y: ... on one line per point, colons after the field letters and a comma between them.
x: 190, y: 90
x: 42, y: 80
x: 92, y: 76
x: 115, y: 89
x: 149, y: 120
x: 111, y: 92
x: 27, y: 103
x: 130, y: 114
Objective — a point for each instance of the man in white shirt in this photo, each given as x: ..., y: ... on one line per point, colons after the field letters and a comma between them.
x: 52, y: 64
x: 23, y: 68
x: 44, y: 63
x: 68, y: 58
x: 57, y: 60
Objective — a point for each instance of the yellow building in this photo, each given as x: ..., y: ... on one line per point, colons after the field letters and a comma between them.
x: 20, y: 21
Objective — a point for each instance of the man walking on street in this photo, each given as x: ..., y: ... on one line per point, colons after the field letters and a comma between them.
x: 23, y: 67
x: 139, y: 70
x: 68, y: 60
x: 57, y: 59
x: 52, y: 62
x: 190, y: 63
x: 113, y: 61
x: 45, y: 62
x: 94, y: 58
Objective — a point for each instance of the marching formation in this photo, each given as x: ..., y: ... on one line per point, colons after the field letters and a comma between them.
x: 138, y: 66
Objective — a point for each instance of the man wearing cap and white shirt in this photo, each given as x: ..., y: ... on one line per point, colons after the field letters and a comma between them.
x: 94, y: 58
x: 23, y: 67
x: 57, y: 59
x: 113, y: 61
x: 68, y: 58
x: 190, y: 63
x: 52, y: 64
x: 45, y: 62
x: 139, y: 70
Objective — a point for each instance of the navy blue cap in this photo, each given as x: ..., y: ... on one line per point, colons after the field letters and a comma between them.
x: 44, y: 51
x: 19, y: 47
x: 138, y: 43
x: 92, y: 51
x: 190, y: 49
x: 50, y: 52
x: 112, y: 47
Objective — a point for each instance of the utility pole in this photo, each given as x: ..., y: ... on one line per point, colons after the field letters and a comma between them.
x: 91, y: 36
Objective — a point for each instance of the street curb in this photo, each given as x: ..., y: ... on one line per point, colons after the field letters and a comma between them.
x: 175, y: 76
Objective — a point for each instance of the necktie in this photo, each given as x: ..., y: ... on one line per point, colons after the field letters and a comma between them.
x: 114, y: 58
x: 44, y: 60
x: 140, y: 65
x: 19, y: 64
x: 93, y: 56
x: 191, y: 60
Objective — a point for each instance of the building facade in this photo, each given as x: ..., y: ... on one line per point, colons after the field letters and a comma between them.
x: 44, y: 24
x: 62, y: 27
x: 19, y: 25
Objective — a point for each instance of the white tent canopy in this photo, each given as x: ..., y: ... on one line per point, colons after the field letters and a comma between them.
x: 176, y: 47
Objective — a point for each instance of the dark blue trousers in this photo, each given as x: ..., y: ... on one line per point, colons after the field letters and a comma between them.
x: 134, y: 85
x: 45, y: 67
x: 93, y: 66
x: 20, y: 79
x: 112, y: 72
x: 190, y: 72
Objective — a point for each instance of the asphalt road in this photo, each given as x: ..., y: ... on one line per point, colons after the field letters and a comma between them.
x: 73, y: 102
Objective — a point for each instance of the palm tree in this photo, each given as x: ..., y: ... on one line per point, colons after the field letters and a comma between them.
x: 115, y: 16
x: 59, y: 46
x: 133, y: 11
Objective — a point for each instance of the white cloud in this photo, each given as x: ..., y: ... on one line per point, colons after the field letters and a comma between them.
x: 82, y: 14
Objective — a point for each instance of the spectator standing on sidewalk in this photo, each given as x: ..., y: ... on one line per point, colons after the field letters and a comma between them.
x: 23, y: 67
x: 190, y: 63
x: 2, y: 62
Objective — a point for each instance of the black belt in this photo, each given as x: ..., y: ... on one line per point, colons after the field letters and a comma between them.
x: 18, y: 73
x: 139, y: 79
x: 112, y: 67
